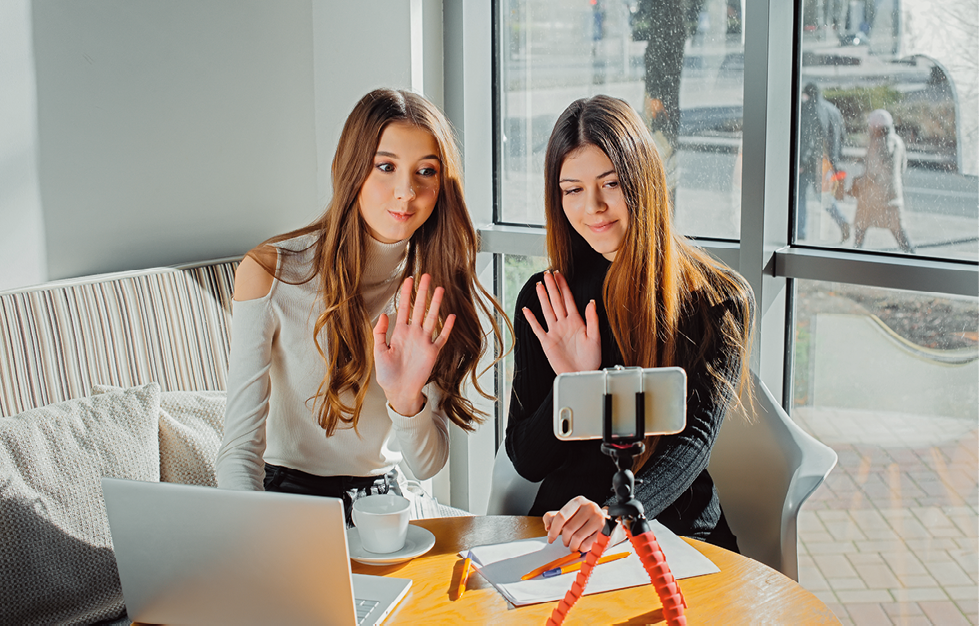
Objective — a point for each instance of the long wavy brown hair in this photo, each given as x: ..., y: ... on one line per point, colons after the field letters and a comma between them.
x: 656, y: 272
x: 444, y: 246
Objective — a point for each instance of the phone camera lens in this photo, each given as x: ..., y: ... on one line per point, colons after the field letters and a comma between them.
x: 565, y: 417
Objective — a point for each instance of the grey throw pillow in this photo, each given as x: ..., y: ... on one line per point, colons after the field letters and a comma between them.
x: 55, y: 548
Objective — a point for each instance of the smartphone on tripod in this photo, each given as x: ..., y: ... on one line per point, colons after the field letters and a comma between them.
x: 579, y: 401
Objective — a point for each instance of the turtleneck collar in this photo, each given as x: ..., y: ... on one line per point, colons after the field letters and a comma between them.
x: 384, y: 261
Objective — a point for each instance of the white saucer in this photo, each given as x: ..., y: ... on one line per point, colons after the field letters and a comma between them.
x: 418, y: 542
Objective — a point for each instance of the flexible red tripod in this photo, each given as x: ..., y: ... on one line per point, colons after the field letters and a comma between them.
x: 629, y: 512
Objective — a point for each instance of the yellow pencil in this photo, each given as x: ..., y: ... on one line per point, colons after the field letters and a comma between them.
x: 553, y: 564
x: 466, y: 568
x: 574, y: 567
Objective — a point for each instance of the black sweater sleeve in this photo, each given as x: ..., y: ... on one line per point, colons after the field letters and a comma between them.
x: 680, y: 459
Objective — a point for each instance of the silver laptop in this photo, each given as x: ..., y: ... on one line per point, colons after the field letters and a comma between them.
x: 199, y: 555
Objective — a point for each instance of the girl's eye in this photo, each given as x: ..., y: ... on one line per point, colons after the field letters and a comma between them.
x: 612, y: 184
x: 428, y: 172
x: 571, y: 190
x: 385, y: 167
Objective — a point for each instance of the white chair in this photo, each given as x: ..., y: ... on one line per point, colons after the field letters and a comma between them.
x: 764, y: 470
x: 510, y: 493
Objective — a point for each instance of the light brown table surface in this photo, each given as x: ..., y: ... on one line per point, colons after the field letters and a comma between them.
x: 743, y: 592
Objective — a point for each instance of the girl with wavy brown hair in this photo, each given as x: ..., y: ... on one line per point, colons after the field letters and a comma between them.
x: 352, y: 338
x: 624, y: 288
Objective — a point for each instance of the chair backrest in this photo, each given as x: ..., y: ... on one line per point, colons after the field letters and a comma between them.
x: 764, y: 468
x: 510, y: 493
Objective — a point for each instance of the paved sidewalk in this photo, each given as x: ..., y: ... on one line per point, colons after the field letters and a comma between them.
x: 891, y: 537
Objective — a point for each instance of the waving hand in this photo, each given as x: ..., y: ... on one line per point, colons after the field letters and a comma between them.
x: 404, y: 365
x: 570, y: 343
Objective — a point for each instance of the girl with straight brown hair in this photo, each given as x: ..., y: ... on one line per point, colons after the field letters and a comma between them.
x: 326, y: 392
x: 624, y: 288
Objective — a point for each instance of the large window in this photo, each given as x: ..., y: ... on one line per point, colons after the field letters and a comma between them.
x: 889, y: 380
x: 887, y: 155
x: 766, y: 115
x: 680, y: 63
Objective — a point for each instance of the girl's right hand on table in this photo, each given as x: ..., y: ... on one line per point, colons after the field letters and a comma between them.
x: 578, y: 523
x: 570, y: 343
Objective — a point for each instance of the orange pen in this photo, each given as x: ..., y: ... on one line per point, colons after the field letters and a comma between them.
x: 574, y: 567
x: 466, y: 568
x: 553, y: 564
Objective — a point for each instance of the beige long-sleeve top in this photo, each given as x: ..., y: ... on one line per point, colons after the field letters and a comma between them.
x: 275, y: 371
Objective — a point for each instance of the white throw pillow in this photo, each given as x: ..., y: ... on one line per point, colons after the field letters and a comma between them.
x: 55, y: 548
x: 191, y: 427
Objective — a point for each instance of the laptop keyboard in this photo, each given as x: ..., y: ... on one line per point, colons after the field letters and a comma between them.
x: 364, y: 607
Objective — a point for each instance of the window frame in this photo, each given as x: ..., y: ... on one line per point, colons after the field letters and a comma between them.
x: 765, y: 255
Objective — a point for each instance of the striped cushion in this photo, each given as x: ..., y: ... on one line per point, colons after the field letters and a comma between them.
x: 170, y: 326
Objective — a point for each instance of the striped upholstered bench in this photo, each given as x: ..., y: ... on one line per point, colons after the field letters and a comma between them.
x: 113, y: 375
x: 168, y: 325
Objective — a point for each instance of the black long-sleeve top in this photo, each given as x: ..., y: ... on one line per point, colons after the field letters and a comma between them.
x: 675, y: 487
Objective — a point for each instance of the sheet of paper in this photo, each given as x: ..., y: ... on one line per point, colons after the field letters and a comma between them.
x: 503, y: 564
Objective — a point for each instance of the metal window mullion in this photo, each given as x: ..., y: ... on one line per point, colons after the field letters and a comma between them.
x: 765, y: 190
x: 879, y: 270
x: 467, y: 32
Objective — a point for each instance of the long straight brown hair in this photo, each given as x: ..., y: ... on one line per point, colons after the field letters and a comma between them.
x: 656, y: 271
x: 444, y: 246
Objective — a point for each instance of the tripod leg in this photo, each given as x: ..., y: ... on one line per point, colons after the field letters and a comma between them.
x: 578, y: 587
x: 661, y: 576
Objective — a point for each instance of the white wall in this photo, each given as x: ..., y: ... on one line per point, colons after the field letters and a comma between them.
x: 22, y: 250
x: 177, y: 130
x: 357, y: 47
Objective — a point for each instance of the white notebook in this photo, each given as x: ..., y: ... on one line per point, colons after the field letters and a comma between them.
x: 504, y: 564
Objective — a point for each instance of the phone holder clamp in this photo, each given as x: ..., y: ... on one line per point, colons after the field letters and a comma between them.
x: 628, y: 511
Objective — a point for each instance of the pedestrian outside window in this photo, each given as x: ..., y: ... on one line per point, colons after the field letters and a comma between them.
x: 888, y: 143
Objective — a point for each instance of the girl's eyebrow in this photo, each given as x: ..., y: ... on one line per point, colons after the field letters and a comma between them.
x: 575, y: 180
x: 392, y: 155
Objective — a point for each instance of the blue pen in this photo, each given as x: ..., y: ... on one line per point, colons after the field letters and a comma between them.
x: 553, y: 564
x: 557, y: 571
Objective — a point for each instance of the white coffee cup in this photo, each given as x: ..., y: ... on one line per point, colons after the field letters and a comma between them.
x: 382, y: 522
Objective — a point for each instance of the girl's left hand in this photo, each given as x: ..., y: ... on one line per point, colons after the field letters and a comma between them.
x: 571, y: 344
x: 404, y: 365
x: 578, y: 523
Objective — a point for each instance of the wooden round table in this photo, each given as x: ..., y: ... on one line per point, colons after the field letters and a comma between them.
x: 743, y: 592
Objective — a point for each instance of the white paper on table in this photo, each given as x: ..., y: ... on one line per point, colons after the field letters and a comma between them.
x: 503, y: 564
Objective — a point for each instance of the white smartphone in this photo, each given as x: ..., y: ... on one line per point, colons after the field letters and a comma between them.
x: 579, y: 401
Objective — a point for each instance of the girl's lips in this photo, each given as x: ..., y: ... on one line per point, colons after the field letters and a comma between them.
x: 401, y: 217
x: 602, y: 227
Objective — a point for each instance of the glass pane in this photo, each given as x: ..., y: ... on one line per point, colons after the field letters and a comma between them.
x: 890, y: 380
x: 678, y: 62
x: 902, y: 179
x: 516, y: 271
